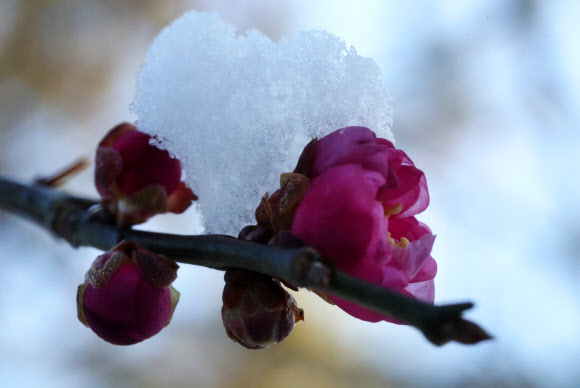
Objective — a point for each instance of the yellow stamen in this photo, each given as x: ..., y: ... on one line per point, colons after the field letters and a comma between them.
x: 391, y: 211
x: 402, y: 243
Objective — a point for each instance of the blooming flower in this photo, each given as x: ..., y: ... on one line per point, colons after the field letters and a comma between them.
x: 404, y: 192
x: 127, y: 295
x: 136, y: 179
x: 257, y: 311
x: 359, y: 213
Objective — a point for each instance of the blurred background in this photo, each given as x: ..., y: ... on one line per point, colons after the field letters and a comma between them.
x: 486, y: 104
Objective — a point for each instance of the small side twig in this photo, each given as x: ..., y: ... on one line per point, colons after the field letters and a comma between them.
x: 74, y: 219
x: 60, y: 178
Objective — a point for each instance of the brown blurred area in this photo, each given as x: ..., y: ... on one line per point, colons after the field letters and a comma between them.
x: 309, y: 359
x: 68, y: 68
x: 65, y: 76
x: 65, y: 51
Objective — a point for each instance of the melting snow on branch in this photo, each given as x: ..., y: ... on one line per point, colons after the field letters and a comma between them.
x: 237, y: 109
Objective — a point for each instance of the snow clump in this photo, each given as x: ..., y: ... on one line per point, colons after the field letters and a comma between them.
x: 237, y: 108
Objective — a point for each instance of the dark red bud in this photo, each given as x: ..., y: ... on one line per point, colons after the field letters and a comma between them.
x: 306, y: 158
x: 127, y: 296
x: 145, y: 164
x: 137, y: 179
x: 257, y: 311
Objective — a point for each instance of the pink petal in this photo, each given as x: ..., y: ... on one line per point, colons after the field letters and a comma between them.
x: 408, y: 227
x: 350, y: 145
x: 340, y: 217
x: 409, y: 271
x: 396, y: 157
x: 393, y: 276
x: 145, y: 164
x: 424, y: 291
x: 411, y: 192
x: 364, y: 313
x: 427, y: 272
x: 414, y: 256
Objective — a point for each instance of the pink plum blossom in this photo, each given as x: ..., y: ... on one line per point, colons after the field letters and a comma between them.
x: 358, y: 213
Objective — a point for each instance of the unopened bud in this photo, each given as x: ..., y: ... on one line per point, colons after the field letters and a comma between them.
x: 276, y: 212
x: 127, y: 295
x: 136, y: 179
x: 257, y: 311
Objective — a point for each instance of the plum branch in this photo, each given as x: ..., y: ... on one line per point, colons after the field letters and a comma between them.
x: 78, y: 221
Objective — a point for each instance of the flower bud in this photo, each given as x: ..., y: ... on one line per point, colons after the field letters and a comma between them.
x: 136, y: 179
x: 127, y: 295
x: 257, y: 311
x: 276, y: 212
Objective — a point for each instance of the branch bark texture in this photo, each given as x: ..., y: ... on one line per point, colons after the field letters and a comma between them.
x: 75, y: 220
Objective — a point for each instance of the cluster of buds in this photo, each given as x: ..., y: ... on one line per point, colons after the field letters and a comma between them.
x: 352, y: 196
x: 127, y: 295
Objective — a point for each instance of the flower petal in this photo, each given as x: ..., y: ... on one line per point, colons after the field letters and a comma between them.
x: 181, y: 198
x: 340, y: 217
x: 427, y: 272
x: 411, y: 192
x: 145, y: 164
x: 350, y: 145
x: 424, y: 291
x: 408, y: 227
x: 414, y: 256
x: 108, y: 168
